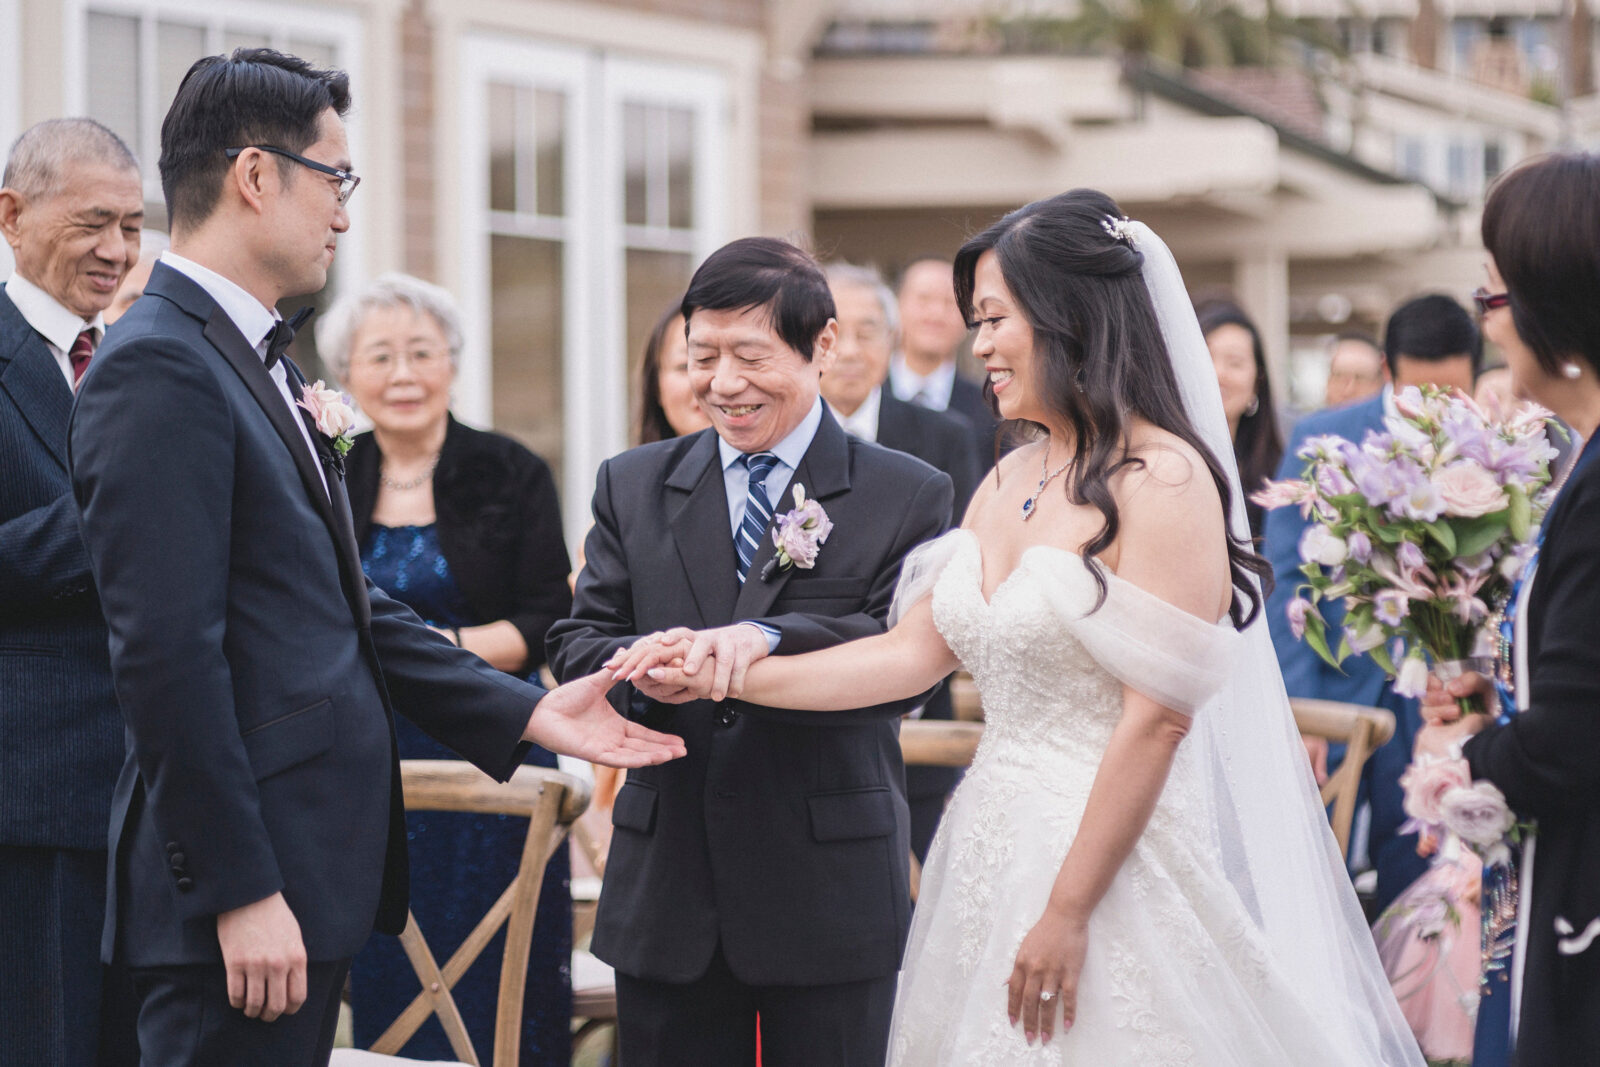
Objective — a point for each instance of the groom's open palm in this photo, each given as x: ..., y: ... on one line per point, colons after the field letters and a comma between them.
x: 577, y: 719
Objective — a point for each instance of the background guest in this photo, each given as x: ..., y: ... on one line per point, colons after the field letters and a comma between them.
x: 464, y: 528
x: 923, y: 372
x: 866, y: 311
x: 70, y: 209
x: 151, y: 244
x: 667, y: 407
x: 1541, y: 227
x: 1356, y: 369
x: 1241, y: 365
x: 1428, y: 340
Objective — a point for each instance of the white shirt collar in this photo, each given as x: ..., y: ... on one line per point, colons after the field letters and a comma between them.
x: 791, y: 450
x: 57, y: 324
x: 936, y: 386
x: 254, y: 319
x: 1388, y: 401
x: 863, y: 422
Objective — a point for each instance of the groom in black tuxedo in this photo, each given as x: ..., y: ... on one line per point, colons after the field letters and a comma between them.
x: 257, y: 826
x: 767, y: 871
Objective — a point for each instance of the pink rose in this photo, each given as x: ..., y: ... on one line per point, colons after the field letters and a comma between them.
x: 329, y: 408
x: 1477, y: 813
x: 1425, y: 783
x: 1470, y: 491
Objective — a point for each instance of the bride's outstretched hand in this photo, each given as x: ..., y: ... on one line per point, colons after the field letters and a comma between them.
x: 1046, y: 974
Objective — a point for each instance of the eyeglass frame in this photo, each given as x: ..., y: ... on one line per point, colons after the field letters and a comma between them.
x: 1488, y: 301
x: 344, y: 194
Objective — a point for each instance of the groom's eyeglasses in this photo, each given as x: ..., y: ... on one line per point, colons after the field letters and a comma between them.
x: 347, y: 181
x: 1488, y: 301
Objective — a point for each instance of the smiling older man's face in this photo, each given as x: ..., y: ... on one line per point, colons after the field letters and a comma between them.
x: 78, y: 243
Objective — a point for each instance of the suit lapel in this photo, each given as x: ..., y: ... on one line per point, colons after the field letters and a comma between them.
x: 246, y: 363
x: 825, y: 473
x: 32, y: 378
x: 701, y: 532
x: 343, y: 525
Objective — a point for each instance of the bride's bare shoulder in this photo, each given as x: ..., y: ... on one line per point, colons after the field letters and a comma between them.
x: 1171, y: 484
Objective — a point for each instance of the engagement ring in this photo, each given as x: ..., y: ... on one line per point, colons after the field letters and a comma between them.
x: 1047, y: 996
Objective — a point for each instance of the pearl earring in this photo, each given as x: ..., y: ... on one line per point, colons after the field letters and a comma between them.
x: 1572, y: 371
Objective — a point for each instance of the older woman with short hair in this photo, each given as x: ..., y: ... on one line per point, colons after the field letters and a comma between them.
x: 464, y: 527
x: 1541, y: 739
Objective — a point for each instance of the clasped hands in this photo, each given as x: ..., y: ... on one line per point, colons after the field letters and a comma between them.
x: 679, y: 665
x: 1443, y: 725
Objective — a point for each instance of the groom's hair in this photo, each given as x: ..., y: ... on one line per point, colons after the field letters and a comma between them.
x: 256, y: 96
x: 764, y: 272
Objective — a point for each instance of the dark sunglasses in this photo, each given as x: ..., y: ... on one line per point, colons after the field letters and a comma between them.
x: 347, y: 181
x: 1488, y: 301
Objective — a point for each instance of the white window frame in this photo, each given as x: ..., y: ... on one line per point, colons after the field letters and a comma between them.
x: 277, y: 22
x: 595, y: 365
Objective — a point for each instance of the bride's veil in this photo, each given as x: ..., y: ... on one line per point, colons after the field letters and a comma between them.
x: 1272, y: 831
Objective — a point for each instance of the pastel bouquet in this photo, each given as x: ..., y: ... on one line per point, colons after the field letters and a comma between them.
x: 1417, y: 530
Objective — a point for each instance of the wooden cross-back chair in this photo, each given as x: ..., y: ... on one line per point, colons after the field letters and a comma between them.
x: 936, y: 743
x: 550, y: 801
x: 1361, y: 730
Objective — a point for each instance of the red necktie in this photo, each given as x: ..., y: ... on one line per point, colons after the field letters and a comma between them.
x: 82, y: 349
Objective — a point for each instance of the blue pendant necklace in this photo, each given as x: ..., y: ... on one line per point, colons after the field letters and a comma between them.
x: 1046, y: 476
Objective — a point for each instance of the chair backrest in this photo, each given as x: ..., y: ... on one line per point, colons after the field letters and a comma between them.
x: 1361, y: 730
x: 550, y: 801
x: 965, y: 702
x: 936, y: 743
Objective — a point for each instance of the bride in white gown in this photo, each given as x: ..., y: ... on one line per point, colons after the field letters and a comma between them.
x: 1136, y: 869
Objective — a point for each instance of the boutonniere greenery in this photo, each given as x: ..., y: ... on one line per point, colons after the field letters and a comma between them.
x: 798, y: 535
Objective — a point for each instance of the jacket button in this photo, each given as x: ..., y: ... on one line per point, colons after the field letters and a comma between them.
x: 177, y: 859
x: 726, y: 716
x: 172, y: 846
x: 185, y: 884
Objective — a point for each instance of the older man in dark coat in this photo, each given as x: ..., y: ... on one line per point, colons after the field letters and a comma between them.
x: 70, y: 210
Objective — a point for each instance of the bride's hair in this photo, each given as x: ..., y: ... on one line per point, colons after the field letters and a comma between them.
x: 1101, y: 355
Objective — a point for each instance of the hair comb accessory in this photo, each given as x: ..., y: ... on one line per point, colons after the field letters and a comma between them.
x: 1120, y: 229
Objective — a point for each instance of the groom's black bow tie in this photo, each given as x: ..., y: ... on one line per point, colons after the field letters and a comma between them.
x: 283, y: 332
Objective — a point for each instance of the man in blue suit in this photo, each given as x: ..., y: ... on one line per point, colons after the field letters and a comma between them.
x: 257, y: 831
x: 70, y: 210
x: 1429, y: 341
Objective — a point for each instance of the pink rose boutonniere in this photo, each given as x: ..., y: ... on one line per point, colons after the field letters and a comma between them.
x: 331, y: 411
x: 798, y: 535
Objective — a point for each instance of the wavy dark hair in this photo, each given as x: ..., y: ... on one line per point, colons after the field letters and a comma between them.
x: 1100, y: 356
x: 650, y: 423
x: 1258, y: 446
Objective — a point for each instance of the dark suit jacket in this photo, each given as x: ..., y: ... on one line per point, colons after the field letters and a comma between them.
x: 499, y: 523
x: 256, y: 667
x: 1544, y: 762
x: 968, y: 402
x: 58, y: 712
x: 945, y: 442
x: 783, y: 834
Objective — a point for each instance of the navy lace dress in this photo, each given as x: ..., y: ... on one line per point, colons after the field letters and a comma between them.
x: 460, y: 864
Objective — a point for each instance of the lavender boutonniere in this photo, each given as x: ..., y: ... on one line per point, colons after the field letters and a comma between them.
x: 798, y: 535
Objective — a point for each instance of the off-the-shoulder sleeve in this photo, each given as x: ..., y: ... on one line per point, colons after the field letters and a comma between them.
x: 1171, y: 656
x: 921, y: 569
